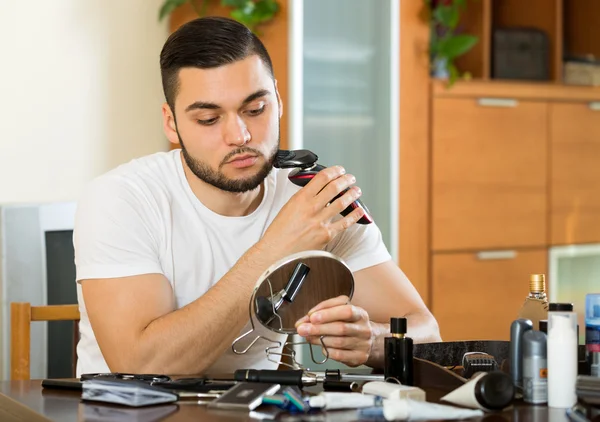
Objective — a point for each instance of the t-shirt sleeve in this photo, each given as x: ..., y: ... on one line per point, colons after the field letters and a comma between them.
x: 113, y: 234
x: 360, y: 246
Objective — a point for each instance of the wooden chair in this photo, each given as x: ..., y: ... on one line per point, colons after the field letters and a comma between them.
x: 21, y: 316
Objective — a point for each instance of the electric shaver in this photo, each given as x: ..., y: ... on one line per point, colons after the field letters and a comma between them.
x: 304, y: 163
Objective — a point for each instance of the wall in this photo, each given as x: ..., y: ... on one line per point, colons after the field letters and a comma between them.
x: 81, y: 93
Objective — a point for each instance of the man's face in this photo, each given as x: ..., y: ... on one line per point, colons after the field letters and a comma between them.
x: 227, y: 122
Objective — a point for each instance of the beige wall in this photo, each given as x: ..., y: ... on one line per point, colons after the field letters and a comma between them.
x: 80, y: 94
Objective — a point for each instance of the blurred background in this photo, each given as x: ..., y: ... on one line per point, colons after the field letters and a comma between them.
x: 472, y: 127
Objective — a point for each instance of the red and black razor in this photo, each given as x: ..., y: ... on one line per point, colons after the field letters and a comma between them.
x: 304, y: 163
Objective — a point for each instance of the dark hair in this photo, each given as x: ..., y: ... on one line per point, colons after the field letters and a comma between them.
x: 206, y: 43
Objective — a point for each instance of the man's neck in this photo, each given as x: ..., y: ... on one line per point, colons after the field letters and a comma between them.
x: 221, y: 202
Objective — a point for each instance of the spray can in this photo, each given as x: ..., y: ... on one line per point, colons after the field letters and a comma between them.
x: 592, y: 331
x: 535, y: 367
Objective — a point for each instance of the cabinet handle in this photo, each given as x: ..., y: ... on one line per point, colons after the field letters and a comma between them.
x: 594, y: 105
x: 497, y: 102
x: 489, y: 255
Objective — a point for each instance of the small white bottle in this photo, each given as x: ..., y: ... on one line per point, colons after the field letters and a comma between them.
x: 562, y: 358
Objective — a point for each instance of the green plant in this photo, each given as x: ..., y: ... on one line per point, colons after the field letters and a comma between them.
x: 447, y: 43
x: 249, y: 12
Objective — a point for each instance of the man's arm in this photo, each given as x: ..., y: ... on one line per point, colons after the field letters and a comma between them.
x: 385, y: 292
x: 139, y: 331
x: 134, y: 318
x: 354, y: 333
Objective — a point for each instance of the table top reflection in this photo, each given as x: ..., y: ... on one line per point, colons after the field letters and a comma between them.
x: 28, y: 401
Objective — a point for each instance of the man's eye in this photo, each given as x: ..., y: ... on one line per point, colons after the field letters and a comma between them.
x: 208, y: 122
x: 256, y: 111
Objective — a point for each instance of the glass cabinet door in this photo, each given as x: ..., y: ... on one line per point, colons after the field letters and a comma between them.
x: 574, y: 272
x: 348, y: 88
x: 344, y: 99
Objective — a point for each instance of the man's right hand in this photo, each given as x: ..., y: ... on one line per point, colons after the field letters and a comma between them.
x: 307, y: 221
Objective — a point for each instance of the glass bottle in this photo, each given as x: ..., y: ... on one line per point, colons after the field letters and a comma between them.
x: 535, y: 307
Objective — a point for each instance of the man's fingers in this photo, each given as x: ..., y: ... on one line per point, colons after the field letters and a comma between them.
x: 329, y: 303
x: 336, y: 329
x: 321, y: 179
x: 347, y: 313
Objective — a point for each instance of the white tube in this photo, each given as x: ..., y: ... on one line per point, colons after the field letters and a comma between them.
x: 418, y: 410
x: 389, y: 390
x: 332, y: 400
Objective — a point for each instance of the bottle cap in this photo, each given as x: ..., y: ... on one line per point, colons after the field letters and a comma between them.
x: 495, y: 390
x: 537, y: 283
x: 398, y: 325
x: 560, y: 307
x: 534, y: 343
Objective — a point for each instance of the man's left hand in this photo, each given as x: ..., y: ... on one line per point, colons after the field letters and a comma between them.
x: 346, y: 330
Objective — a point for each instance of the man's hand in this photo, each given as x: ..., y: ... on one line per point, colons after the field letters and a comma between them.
x: 306, y: 222
x: 346, y: 330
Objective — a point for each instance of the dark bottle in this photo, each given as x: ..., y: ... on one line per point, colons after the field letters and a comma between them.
x: 399, y: 353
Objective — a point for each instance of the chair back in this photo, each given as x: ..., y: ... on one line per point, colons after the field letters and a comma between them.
x: 21, y: 316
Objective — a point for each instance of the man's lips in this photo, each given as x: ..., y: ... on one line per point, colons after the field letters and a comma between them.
x: 241, y: 157
x: 243, y: 161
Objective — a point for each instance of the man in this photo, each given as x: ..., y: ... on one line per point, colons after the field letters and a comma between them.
x: 169, y: 247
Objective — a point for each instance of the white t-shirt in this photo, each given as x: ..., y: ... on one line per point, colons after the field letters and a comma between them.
x: 143, y: 217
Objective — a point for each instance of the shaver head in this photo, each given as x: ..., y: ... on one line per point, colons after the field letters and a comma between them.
x: 300, y: 158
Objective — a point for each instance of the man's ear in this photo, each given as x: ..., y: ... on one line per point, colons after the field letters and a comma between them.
x: 279, y: 102
x: 169, y: 125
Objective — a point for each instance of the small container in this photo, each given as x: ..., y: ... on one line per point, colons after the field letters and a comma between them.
x: 562, y: 358
x: 535, y: 367
x: 592, y: 331
x: 398, y: 353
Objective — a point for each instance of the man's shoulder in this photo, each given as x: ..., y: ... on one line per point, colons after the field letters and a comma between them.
x: 150, y: 172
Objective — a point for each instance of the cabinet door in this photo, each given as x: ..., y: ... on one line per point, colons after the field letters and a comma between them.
x: 477, y: 296
x: 489, y: 173
x: 575, y: 158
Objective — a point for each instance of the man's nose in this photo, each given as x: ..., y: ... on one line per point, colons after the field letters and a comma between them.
x: 236, y: 132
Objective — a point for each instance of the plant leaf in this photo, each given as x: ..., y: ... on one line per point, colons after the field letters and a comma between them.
x: 455, y: 46
x: 234, y: 3
x: 168, y: 7
x: 453, y: 74
x: 447, y: 16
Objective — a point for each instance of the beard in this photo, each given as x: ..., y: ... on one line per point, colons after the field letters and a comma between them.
x: 219, y: 180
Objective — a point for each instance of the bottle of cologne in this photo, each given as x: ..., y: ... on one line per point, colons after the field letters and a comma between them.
x: 399, y: 353
x: 535, y: 307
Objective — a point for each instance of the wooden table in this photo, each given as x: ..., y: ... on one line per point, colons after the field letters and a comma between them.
x: 26, y: 401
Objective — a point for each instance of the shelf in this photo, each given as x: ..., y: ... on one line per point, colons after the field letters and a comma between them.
x: 516, y: 89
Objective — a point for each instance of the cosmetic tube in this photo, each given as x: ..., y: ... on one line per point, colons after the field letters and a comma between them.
x: 389, y: 390
x: 331, y: 400
x: 486, y: 391
x: 406, y: 409
x: 562, y: 358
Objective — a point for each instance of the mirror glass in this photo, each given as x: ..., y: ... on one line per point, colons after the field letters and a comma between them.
x: 297, y: 284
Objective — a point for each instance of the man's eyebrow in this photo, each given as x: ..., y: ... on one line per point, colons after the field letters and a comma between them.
x: 257, y: 94
x: 201, y: 105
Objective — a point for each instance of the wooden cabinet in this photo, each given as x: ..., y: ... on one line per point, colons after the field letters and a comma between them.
x: 575, y: 175
x: 476, y: 297
x: 489, y: 173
